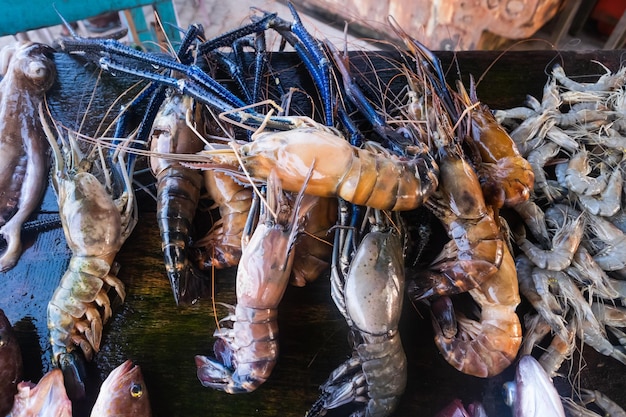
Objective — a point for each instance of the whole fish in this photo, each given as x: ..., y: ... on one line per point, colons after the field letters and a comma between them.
x: 46, y: 399
x: 123, y: 393
x: 10, y: 364
x: 532, y: 394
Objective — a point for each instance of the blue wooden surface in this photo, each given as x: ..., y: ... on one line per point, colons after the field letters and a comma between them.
x: 36, y: 14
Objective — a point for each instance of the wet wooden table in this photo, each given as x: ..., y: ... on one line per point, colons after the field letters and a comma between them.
x: 163, y: 338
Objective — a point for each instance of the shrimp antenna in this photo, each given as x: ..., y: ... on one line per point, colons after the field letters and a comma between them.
x: 69, y: 27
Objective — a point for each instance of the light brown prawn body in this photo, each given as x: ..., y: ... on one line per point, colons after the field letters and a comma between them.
x: 360, y: 176
x: 178, y: 187
x: 313, y: 248
x: 476, y: 248
x: 486, y: 347
x: 247, y: 352
x: 221, y: 246
x: 29, y: 71
x: 507, y: 177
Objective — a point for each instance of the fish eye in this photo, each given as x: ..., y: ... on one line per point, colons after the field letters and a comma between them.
x: 136, y: 390
x: 508, y: 392
x: 2, y: 340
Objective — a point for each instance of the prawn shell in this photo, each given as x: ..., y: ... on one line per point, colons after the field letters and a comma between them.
x: 337, y: 168
x: 509, y: 178
x: 375, y: 283
x: 460, y: 183
x: 292, y: 154
x: 91, y: 221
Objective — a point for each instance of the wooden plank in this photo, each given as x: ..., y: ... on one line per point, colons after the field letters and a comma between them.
x: 163, y: 338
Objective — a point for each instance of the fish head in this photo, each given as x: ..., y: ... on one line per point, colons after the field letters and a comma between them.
x: 532, y: 393
x: 123, y: 393
x: 46, y: 399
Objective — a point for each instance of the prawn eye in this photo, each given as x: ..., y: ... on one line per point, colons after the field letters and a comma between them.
x: 136, y: 390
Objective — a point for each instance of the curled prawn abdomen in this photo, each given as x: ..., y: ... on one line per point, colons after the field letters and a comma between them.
x: 475, y: 250
x: 485, y: 347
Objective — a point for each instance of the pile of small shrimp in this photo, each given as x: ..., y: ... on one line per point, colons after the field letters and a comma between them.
x: 572, y: 262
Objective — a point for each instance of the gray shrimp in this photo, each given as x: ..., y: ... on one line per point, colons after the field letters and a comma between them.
x: 570, y: 226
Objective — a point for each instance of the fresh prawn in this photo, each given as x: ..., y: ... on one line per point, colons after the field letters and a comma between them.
x: 609, y: 201
x: 369, y: 295
x: 247, y: 352
x: 535, y: 285
x: 476, y: 248
x: 506, y: 176
x: 588, y: 328
x: 576, y: 176
x: 178, y: 187
x: 369, y: 176
x: 487, y: 346
x: 96, y: 226
x: 605, y: 243
x: 570, y: 226
x: 538, y: 159
x: 559, y: 349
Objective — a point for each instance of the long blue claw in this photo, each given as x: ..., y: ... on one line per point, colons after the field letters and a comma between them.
x: 392, y: 138
x: 229, y: 38
x: 321, y: 73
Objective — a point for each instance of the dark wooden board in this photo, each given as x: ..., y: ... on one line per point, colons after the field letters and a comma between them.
x: 163, y: 338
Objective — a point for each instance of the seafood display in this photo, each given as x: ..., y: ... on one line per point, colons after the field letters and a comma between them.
x: 28, y: 71
x: 504, y: 227
x: 570, y: 260
x: 10, y: 364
